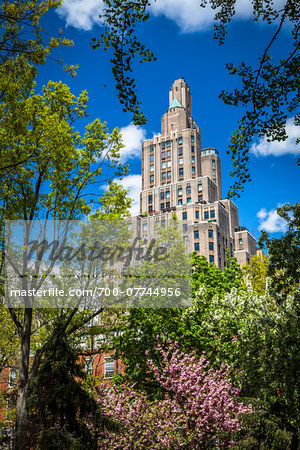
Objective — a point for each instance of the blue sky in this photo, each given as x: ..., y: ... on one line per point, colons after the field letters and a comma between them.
x: 181, y: 34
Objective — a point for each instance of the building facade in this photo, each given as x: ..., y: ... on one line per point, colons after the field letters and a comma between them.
x: 181, y: 177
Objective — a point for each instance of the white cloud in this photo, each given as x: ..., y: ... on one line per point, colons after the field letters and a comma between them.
x: 187, y: 14
x: 133, y: 136
x: 133, y: 183
x: 270, y: 221
x: 277, y: 148
x: 191, y: 17
x: 82, y: 14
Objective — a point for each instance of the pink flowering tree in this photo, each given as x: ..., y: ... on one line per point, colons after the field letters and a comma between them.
x: 199, y: 410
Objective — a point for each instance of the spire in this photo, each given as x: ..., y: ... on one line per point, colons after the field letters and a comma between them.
x: 175, y: 103
x: 180, y: 91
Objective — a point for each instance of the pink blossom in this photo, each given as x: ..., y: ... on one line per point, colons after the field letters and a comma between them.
x: 200, y: 407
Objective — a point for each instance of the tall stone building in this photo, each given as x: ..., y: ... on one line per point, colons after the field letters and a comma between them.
x: 179, y: 176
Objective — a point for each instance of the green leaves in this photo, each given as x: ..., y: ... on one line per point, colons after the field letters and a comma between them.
x: 285, y: 253
x: 269, y: 92
x: 121, y: 19
x: 22, y: 34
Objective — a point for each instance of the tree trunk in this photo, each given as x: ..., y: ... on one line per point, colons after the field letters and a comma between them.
x: 21, y: 431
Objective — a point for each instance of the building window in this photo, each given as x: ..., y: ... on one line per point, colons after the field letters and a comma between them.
x: 211, y: 245
x: 163, y: 175
x: 180, y: 140
x: 212, y: 214
x: 89, y: 365
x: 192, y: 138
x: 214, y: 172
x: 192, y: 149
x: 181, y: 172
x: 12, y: 378
x: 168, y: 143
x: 185, y: 240
x: 163, y: 165
x: 197, y: 214
x: 200, y: 188
x: 193, y: 159
x: 169, y: 163
x: 168, y: 194
x: 180, y: 161
x: 152, y: 168
x: 162, y: 206
x: 188, y: 189
x: 184, y: 215
x: 163, y: 155
x: 240, y: 241
x: 180, y: 201
x: 179, y: 192
x: 151, y: 148
x: 169, y: 154
x: 211, y: 258
x: 193, y: 170
x: 163, y: 144
x: 210, y: 233
x: 151, y: 158
x: 151, y: 178
x: 168, y: 205
x: 145, y: 226
x: 214, y: 180
x: 162, y: 195
x: 213, y: 162
x: 200, y: 197
x: 169, y: 174
x: 150, y: 198
x: 189, y: 200
x: 206, y: 215
x: 196, y: 234
x: 108, y: 366
x: 150, y: 209
x: 197, y: 246
x: 180, y: 151
x: 184, y: 227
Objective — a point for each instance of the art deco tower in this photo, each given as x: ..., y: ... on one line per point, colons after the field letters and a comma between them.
x: 180, y: 176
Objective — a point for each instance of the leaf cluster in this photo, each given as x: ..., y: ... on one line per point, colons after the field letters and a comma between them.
x: 62, y: 412
x: 270, y: 91
x: 121, y: 19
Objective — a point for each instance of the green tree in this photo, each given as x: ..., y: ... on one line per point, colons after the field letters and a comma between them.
x: 241, y: 326
x: 258, y: 270
x: 144, y: 328
x: 24, y: 46
x: 46, y: 166
x: 63, y: 414
x: 22, y: 32
x: 58, y: 167
x: 9, y: 342
x: 284, y: 264
x: 216, y: 281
